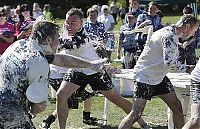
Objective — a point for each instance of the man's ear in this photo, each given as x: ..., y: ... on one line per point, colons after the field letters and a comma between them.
x: 81, y: 22
x: 48, y: 39
x: 187, y: 26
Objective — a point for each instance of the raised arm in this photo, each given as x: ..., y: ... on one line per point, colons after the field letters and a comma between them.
x: 170, y: 55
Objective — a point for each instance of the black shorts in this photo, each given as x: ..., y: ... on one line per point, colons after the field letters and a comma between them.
x: 80, y: 94
x: 97, y: 81
x: 146, y: 91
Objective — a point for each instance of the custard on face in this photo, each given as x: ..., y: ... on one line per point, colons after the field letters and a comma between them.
x: 72, y: 24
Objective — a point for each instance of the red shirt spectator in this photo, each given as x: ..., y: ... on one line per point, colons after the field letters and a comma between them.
x: 6, y: 32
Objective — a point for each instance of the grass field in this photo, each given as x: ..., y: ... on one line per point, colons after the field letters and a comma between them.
x: 155, y: 114
x: 155, y: 111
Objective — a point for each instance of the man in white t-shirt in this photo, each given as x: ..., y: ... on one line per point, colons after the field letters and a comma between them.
x: 160, y: 53
x: 107, y: 19
x: 79, y: 78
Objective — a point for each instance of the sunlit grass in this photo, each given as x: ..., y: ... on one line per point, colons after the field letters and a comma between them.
x: 155, y: 114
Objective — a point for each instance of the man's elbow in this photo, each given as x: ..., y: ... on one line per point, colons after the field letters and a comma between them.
x: 167, y: 63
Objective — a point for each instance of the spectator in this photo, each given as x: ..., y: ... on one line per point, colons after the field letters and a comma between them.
x: 47, y: 12
x: 9, y: 17
x: 106, y: 18
x: 98, y: 8
x: 134, y: 7
x: 6, y: 31
x: 160, y: 14
x: 109, y: 23
x: 37, y: 11
x: 122, y: 13
x: 93, y: 27
x: 114, y: 11
x: 128, y: 42
x: 155, y: 21
x: 16, y: 14
x: 96, y: 31
x: 24, y: 26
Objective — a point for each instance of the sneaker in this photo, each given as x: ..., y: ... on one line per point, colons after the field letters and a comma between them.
x: 45, y: 125
x: 146, y: 126
x: 91, y: 121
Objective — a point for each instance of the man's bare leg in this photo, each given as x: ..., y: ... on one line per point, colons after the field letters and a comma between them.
x: 64, y: 92
x: 194, y: 121
x: 134, y: 115
x: 175, y: 105
x: 121, y: 102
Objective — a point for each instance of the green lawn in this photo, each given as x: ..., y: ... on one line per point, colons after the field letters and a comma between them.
x: 155, y: 112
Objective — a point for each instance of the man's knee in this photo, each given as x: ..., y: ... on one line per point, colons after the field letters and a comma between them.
x: 112, y: 95
x: 136, y: 115
x: 195, y: 121
x: 61, y: 95
x: 176, y: 106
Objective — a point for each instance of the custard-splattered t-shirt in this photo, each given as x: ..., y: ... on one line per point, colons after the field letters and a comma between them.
x: 159, y: 54
x: 21, y: 65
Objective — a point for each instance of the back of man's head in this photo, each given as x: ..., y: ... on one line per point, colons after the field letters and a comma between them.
x: 187, y: 10
x: 187, y: 19
x: 43, y: 29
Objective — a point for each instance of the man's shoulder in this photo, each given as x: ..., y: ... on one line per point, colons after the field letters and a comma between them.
x: 15, y: 45
x: 124, y: 27
x: 143, y: 14
x: 100, y: 24
x: 165, y: 33
x: 23, y: 49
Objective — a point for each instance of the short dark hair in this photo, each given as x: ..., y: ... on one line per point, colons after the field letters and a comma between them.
x: 2, y: 11
x: 75, y: 11
x: 153, y: 3
x: 24, y: 7
x: 47, y: 7
x: 187, y: 19
x: 187, y: 10
x: 90, y: 10
x: 42, y: 29
x: 132, y: 13
x: 159, y: 13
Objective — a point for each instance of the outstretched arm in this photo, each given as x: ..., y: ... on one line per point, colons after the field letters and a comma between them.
x: 66, y: 60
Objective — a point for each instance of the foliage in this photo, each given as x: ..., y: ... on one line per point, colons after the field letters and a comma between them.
x: 119, y: 2
x: 58, y: 7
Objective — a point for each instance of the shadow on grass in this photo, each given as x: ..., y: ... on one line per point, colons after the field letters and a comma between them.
x: 108, y: 127
x: 160, y: 127
x: 116, y: 127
